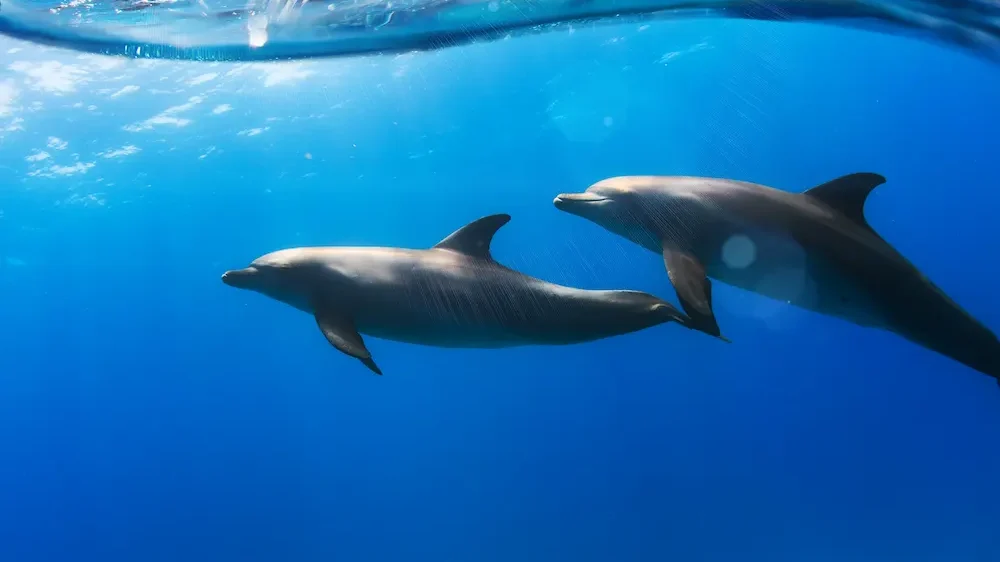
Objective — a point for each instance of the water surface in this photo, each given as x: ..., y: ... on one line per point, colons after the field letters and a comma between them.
x: 293, y: 29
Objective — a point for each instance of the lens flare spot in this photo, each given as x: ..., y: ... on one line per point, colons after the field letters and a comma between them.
x: 739, y: 252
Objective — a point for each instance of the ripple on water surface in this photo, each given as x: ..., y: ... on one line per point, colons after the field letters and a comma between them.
x: 243, y: 30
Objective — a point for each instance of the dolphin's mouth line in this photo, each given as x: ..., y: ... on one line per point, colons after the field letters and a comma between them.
x: 566, y: 198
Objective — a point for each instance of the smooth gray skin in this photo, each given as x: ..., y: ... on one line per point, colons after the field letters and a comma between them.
x: 451, y: 295
x: 814, y: 250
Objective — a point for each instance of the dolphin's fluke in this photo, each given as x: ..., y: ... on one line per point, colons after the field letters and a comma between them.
x: 474, y: 238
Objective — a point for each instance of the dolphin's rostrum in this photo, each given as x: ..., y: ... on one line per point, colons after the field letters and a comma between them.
x: 814, y: 250
x: 451, y: 295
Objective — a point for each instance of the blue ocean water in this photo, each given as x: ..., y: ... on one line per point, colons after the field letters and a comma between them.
x: 149, y: 412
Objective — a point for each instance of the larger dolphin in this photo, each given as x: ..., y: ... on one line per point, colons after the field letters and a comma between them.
x: 814, y: 250
x: 452, y: 295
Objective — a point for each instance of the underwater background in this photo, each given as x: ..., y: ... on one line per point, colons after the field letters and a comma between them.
x: 148, y: 412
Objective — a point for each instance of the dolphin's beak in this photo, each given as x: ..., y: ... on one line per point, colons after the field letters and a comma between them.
x: 238, y: 277
x: 566, y: 201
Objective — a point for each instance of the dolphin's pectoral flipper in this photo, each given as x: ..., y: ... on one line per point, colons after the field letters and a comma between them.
x: 474, y: 238
x: 847, y: 194
x: 341, y: 333
x: 694, y: 290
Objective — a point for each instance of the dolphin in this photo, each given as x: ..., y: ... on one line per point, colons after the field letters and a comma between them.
x: 814, y: 250
x: 451, y: 295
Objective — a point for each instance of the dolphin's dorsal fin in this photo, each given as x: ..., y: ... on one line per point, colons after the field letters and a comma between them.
x: 474, y: 238
x: 848, y: 194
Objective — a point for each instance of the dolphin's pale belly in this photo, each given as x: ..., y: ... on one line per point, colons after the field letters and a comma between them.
x: 777, y: 267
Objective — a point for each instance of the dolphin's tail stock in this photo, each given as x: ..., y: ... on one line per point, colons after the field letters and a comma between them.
x: 981, y: 353
x: 994, y: 364
x: 936, y: 322
x: 984, y: 354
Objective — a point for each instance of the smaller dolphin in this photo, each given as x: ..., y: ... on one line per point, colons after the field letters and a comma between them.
x: 814, y: 250
x: 452, y: 295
